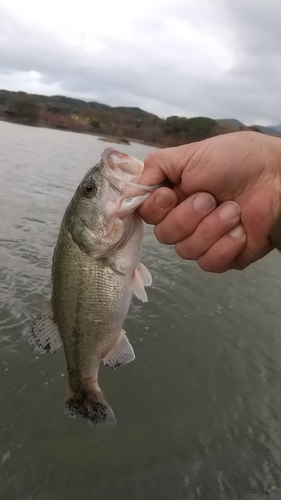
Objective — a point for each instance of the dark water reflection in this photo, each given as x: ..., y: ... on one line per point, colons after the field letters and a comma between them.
x: 198, y: 412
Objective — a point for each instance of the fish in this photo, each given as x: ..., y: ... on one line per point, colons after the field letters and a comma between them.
x: 96, y: 270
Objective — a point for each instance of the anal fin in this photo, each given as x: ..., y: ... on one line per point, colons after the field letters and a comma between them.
x: 121, y: 354
x: 44, y: 333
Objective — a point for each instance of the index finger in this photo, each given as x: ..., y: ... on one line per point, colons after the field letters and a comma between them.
x: 164, y: 164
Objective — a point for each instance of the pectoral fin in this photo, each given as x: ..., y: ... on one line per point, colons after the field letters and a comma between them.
x: 44, y: 333
x: 141, y: 278
x: 121, y: 354
x: 144, y: 274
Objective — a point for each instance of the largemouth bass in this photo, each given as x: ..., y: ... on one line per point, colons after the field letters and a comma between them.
x: 96, y: 270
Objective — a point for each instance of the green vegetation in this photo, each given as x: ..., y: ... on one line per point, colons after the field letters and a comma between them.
x: 255, y: 128
x: 55, y: 109
x: 191, y: 129
x: 95, y: 124
x: 121, y: 123
x: 24, y: 110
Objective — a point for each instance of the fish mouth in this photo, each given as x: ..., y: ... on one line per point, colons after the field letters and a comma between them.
x: 123, y: 166
x: 123, y: 172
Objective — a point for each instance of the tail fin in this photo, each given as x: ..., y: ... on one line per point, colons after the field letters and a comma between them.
x: 90, y: 407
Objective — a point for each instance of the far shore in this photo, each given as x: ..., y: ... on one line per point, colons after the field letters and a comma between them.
x: 101, y: 137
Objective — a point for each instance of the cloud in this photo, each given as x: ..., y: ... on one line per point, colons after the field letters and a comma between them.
x: 218, y: 59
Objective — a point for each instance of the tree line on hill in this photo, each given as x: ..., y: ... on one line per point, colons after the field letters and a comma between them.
x: 124, y: 122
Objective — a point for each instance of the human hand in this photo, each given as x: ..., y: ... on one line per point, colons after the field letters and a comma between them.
x: 224, y: 201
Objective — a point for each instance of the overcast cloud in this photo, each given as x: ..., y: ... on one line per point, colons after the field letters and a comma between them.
x: 216, y: 58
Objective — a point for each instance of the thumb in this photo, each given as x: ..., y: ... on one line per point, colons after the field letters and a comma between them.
x: 167, y: 163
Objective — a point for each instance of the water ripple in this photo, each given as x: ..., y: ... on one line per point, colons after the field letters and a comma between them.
x: 199, y: 411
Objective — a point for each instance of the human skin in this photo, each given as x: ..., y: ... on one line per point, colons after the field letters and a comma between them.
x: 224, y: 201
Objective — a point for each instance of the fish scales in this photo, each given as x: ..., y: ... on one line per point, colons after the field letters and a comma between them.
x: 95, y: 272
x: 87, y: 298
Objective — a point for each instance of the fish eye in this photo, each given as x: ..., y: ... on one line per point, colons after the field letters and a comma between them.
x: 89, y: 188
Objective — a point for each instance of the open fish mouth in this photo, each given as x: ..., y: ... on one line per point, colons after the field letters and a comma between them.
x: 122, y: 165
x: 123, y: 173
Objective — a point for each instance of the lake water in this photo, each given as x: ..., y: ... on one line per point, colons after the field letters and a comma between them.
x: 199, y: 410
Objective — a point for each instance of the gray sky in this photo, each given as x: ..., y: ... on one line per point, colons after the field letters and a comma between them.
x: 216, y: 58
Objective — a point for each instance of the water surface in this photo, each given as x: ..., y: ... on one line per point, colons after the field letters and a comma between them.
x: 198, y: 412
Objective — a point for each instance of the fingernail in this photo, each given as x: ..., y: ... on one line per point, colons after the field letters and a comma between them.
x: 203, y: 202
x: 229, y: 211
x: 164, y: 199
x: 237, y: 232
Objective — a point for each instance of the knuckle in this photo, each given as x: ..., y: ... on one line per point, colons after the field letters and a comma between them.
x: 149, y: 212
x: 179, y: 228
x: 212, y: 266
x: 208, y: 231
x: 145, y: 214
x: 241, y: 263
x: 151, y: 158
x: 162, y: 234
x: 183, y: 252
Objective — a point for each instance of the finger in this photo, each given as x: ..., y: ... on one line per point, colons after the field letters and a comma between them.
x: 222, y: 220
x: 166, y: 163
x: 158, y: 205
x: 182, y: 220
x: 221, y: 256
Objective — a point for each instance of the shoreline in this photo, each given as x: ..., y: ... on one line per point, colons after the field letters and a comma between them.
x: 126, y: 141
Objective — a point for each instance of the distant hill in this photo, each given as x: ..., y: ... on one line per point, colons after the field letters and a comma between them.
x: 269, y: 130
x: 122, y: 122
x: 231, y: 122
x: 69, y: 104
x: 276, y: 127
